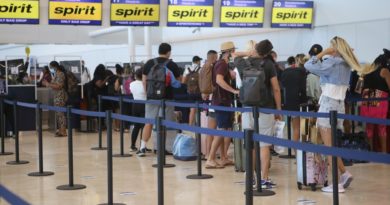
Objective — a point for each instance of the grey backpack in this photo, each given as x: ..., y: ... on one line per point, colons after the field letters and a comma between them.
x: 253, y: 91
x: 156, y: 81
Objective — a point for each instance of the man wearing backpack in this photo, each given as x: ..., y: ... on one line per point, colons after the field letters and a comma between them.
x: 191, y: 79
x: 206, y: 89
x: 158, y: 77
x: 222, y: 96
x: 265, y: 91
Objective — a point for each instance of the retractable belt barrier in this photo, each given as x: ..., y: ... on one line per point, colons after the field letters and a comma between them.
x: 340, y: 152
x: 367, y: 99
x: 248, y: 135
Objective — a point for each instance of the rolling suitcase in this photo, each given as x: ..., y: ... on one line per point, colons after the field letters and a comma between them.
x: 312, y: 169
x: 239, y: 151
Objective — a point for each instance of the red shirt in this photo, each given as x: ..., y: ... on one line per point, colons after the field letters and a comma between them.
x: 220, y: 95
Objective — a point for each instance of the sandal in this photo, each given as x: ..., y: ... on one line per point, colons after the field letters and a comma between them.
x: 61, y: 135
x: 227, y: 162
x: 213, y: 165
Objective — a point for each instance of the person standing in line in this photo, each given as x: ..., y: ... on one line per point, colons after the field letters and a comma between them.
x: 138, y: 109
x: 222, y: 96
x: 334, y: 73
x: 212, y: 57
x: 377, y: 85
x: 59, y: 86
x: 196, y: 65
x: 293, y: 82
x: 262, y: 57
x: 313, y: 88
x: 192, y: 94
x: 152, y: 111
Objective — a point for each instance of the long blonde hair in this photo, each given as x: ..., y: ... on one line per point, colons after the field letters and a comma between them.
x: 346, y: 52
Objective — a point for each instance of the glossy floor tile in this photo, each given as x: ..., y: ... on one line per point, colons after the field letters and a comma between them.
x: 135, y: 181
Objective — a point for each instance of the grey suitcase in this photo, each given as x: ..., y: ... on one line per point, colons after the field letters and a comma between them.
x: 239, y: 151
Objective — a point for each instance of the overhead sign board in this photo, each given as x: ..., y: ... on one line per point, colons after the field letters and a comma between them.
x: 75, y: 12
x: 135, y: 12
x: 292, y: 14
x: 242, y: 13
x: 190, y: 13
x: 19, y: 11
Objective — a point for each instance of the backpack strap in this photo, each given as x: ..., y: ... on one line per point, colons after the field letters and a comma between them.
x: 197, y: 69
x: 249, y: 64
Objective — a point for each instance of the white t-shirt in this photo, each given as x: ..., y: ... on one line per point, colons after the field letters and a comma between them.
x: 193, y: 67
x: 337, y: 92
x: 137, y: 89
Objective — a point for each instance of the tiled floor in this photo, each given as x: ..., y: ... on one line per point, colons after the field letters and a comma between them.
x: 135, y: 175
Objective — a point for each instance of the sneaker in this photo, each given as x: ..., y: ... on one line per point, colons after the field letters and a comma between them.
x: 148, y: 150
x: 329, y: 189
x: 254, y: 182
x: 133, y: 149
x: 141, y: 152
x: 274, y: 153
x: 267, y: 184
x: 346, y: 179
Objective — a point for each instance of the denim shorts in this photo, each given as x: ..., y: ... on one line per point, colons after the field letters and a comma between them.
x: 328, y: 104
x: 224, y: 119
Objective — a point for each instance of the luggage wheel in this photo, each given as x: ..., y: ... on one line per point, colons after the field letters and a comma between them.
x: 299, y: 185
x: 313, y: 187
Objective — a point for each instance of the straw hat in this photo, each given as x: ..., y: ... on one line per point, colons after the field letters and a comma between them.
x: 227, y: 46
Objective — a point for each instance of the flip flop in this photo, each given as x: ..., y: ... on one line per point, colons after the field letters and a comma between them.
x: 227, y: 163
x: 210, y: 165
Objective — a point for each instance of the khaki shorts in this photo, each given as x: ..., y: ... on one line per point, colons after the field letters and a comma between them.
x: 153, y: 111
x: 266, y: 124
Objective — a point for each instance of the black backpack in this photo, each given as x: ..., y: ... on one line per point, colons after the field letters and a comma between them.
x: 156, y: 81
x: 253, y: 91
x: 111, y: 86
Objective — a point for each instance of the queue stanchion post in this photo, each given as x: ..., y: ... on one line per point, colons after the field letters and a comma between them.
x: 164, y: 137
x: 16, y: 132
x: 100, y: 142
x: 38, y: 112
x: 110, y: 190
x: 71, y: 185
x: 333, y: 124
x: 121, y: 135
x: 199, y: 175
x: 160, y: 161
x: 248, y: 134
x: 259, y: 190
x: 3, y: 129
x: 289, y: 154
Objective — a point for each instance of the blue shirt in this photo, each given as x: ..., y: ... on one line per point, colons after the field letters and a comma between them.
x: 333, y: 70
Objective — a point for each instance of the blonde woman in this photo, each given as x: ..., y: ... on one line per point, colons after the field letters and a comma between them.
x: 334, y: 73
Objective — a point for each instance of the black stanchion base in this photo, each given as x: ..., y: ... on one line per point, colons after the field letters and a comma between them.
x: 122, y: 155
x: 99, y: 148
x: 203, y: 176
x: 263, y: 193
x: 74, y: 187
x: 18, y: 162
x: 6, y: 153
x: 40, y: 174
x: 287, y: 156
x: 165, y: 165
x: 112, y: 204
